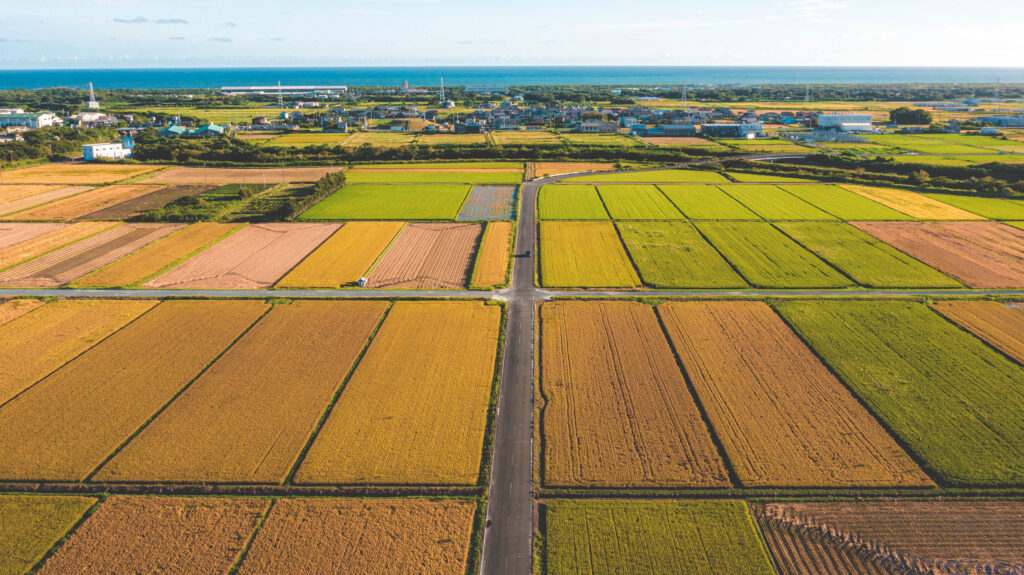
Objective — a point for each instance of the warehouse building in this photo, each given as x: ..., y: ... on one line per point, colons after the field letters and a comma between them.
x: 734, y: 131
x: 30, y: 120
x: 108, y: 151
x: 845, y: 122
x: 1001, y: 121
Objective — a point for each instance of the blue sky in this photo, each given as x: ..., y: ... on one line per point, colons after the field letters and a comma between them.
x: 165, y: 33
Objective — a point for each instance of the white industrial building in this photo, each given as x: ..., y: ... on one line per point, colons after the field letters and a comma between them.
x: 109, y: 151
x: 599, y: 127
x: 31, y: 120
x: 845, y: 122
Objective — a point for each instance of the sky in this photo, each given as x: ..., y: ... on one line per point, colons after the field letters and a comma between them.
x: 55, y: 34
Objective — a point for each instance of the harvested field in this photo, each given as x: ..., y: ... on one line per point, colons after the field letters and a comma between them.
x: 65, y: 426
x: 544, y: 169
x: 141, y: 204
x: 76, y: 260
x: 868, y: 261
x: 451, y: 139
x: 570, y: 203
x: 156, y: 257
x: 616, y: 411
x: 344, y: 257
x: 843, y: 203
x: 937, y: 537
x: 30, y: 525
x: 85, y: 203
x: 12, y: 309
x: 702, y: 202
x: 221, y: 176
x: 993, y: 208
x: 31, y: 347
x: 441, y: 166
x: 14, y: 233
x: 951, y: 399
x: 378, y: 536
x: 13, y: 192
x: 584, y: 254
x: 489, y: 203
x: 774, y: 203
x: 998, y: 324
x: 653, y: 538
x: 617, y: 140
x: 493, y: 258
x: 391, y: 202
x: 637, y: 202
x: 528, y: 138
x: 254, y: 257
x: 913, y: 204
x: 979, y: 254
x: 415, y: 410
x: 428, y: 256
x: 247, y: 418
x: 783, y: 419
x: 656, y: 177
x: 180, y: 535
x: 75, y: 173
x: 478, y: 176
x: 12, y: 209
x: 744, y: 178
x: 674, y: 255
x: 379, y: 139
x: 766, y: 257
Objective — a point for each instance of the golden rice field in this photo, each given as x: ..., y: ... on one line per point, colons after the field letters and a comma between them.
x: 71, y: 173
x: 998, y: 324
x: 12, y: 309
x: 31, y: 524
x: 493, y: 258
x: 14, y: 192
x: 344, y: 257
x: 415, y: 410
x: 85, y: 203
x: 584, y: 254
x: 913, y: 204
x: 543, y: 169
x: 50, y: 241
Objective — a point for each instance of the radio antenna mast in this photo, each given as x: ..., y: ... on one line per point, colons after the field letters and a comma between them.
x: 280, y: 95
x: 92, y: 98
x: 442, y: 89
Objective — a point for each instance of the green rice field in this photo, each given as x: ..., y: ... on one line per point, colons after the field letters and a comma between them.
x: 637, y: 202
x: 656, y: 176
x: 703, y: 202
x: 673, y: 255
x: 413, y: 177
x: 844, y: 204
x: 391, y: 202
x: 774, y: 203
x: 992, y: 208
x: 570, y: 203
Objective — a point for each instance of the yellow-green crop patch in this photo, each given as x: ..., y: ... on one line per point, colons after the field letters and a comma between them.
x: 774, y: 203
x: 655, y: 177
x: 584, y: 254
x: 391, y: 202
x: 570, y: 203
x: 637, y: 202
x: 412, y: 177
x: 300, y: 139
x: 704, y: 202
x: 32, y: 524
x: 674, y: 255
x: 617, y: 140
x: 842, y: 203
x: 992, y: 208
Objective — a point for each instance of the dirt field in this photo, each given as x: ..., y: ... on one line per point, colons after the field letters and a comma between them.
x: 252, y: 258
x: 979, y: 254
x: 616, y: 410
x: 247, y: 418
x: 493, y: 259
x: 344, y: 257
x: 782, y: 417
x: 415, y: 410
x: 15, y: 233
x: 10, y: 208
x: 998, y: 324
x: 61, y: 235
x: 63, y: 427
x: 942, y: 538
x: 12, y: 309
x: 74, y: 261
x: 31, y: 524
x: 542, y: 169
x: 180, y: 535
x: 221, y: 176
x: 75, y: 173
x: 371, y: 536
x: 912, y: 204
x: 151, y: 201
x: 84, y: 203
x: 428, y: 256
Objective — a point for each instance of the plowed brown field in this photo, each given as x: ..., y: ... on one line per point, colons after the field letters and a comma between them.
x: 980, y: 254
x: 783, y: 419
x: 14, y: 233
x: 221, y: 176
x: 998, y: 324
x: 616, y: 411
x: 150, y: 201
x: 74, y: 261
x: 428, y: 256
x: 800, y: 552
x: 30, y: 201
x: 344, y: 257
x: 12, y: 309
x: 415, y: 409
x: 362, y: 536
x: 941, y: 538
x: 179, y: 535
x: 85, y: 203
x: 61, y: 236
x: 252, y: 258
x: 33, y: 346
x: 248, y: 417
x: 63, y: 427
x: 77, y: 173
x: 492, y: 261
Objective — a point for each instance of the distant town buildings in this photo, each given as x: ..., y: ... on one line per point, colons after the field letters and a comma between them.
x: 30, y: 120
x: 734, y: 131
x: 1003, y: 121
x: 599, y: 127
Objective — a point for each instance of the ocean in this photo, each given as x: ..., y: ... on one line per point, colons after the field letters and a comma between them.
x: 185, y: 78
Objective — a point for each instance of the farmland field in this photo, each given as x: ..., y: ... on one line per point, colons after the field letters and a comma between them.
x: 299, y: 139
x: 493, y: 258
x: 767, y: 146
x: 913, y: 204
x: 616, y: 411
x: 69, y: 173
x: 12, y: 309
x: 13, y: 192
x: 344, y: 257
x: 703, y: 202
x: 766, y: 257
x: 674, y: 255
x: 979, y: 254
x: 391, y: 202
x: 31, y: 524
x: 254, y: 257
x: 584, y: 254
x: 570, y: 203
x: 744, y: 178
x: 782, y: 417
x: 843, y: 203
x: 59, y: 236
x: 617, y: 140
x: 186, y: 535
x: 139, y: 205
x: 428, y: 256
x: 951, y: 399
x: 17, y: 232
x: 63, y: 427
x: 868, y: 261
x: 247, y: 418
x: 378, y: 536
x: 357, y: 176
x: 489, y: 203
x: 440, y: 166
x: 998, y: 324
x: 224, y: 176
x: 653, y: 538
x: 637, y: 202
x: 451, y: 139
x: 12, y: 208
x: 379, y: 139
x: 992, y: 208
x: 655, y: 176
x: 85, y: 203
x: 415, y: 410
x: 773, y: 203
x: 543, y: 169
x: 524, y: 138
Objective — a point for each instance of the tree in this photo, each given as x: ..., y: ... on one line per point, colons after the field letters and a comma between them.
x: 913, y: 116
